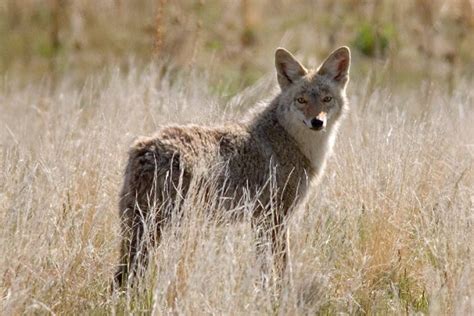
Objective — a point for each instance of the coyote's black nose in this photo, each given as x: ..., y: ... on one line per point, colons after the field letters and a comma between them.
x: 316, y: 124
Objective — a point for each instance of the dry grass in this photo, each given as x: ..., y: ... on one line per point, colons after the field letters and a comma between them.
x: 389, y: 229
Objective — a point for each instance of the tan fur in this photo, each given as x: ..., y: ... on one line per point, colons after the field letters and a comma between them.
x: 272, y: 158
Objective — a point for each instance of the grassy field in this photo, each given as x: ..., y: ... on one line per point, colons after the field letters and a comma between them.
x: 388, y: 231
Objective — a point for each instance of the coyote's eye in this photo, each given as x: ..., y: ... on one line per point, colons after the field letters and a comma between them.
x: 327, y: 99
x: 301, y: 100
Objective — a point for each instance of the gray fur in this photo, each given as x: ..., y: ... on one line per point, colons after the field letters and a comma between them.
x: 274, y: 158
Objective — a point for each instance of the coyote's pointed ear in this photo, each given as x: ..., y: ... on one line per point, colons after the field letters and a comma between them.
x: 336, y: 66
x: 288, y: 68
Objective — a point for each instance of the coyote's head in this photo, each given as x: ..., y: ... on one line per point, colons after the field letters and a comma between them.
x: 313, y: 98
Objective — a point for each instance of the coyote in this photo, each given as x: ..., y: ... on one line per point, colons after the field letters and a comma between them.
x: 274, y: 158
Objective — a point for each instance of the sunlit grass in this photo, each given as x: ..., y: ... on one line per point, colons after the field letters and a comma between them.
x: 388, y: 230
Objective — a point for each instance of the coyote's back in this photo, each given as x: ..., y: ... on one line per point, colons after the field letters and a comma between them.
x: 272, y: 159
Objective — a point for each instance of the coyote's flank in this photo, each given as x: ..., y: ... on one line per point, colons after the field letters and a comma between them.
x: 273, y: 158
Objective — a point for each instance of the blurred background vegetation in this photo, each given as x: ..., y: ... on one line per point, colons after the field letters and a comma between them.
x: 399, y: 42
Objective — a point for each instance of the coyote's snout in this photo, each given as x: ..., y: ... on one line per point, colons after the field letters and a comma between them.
x: 318, y: 122
x: 288, y: 143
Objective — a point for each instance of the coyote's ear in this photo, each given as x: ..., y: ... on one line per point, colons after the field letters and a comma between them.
x: 288, y: 68
x: 336, y: 66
